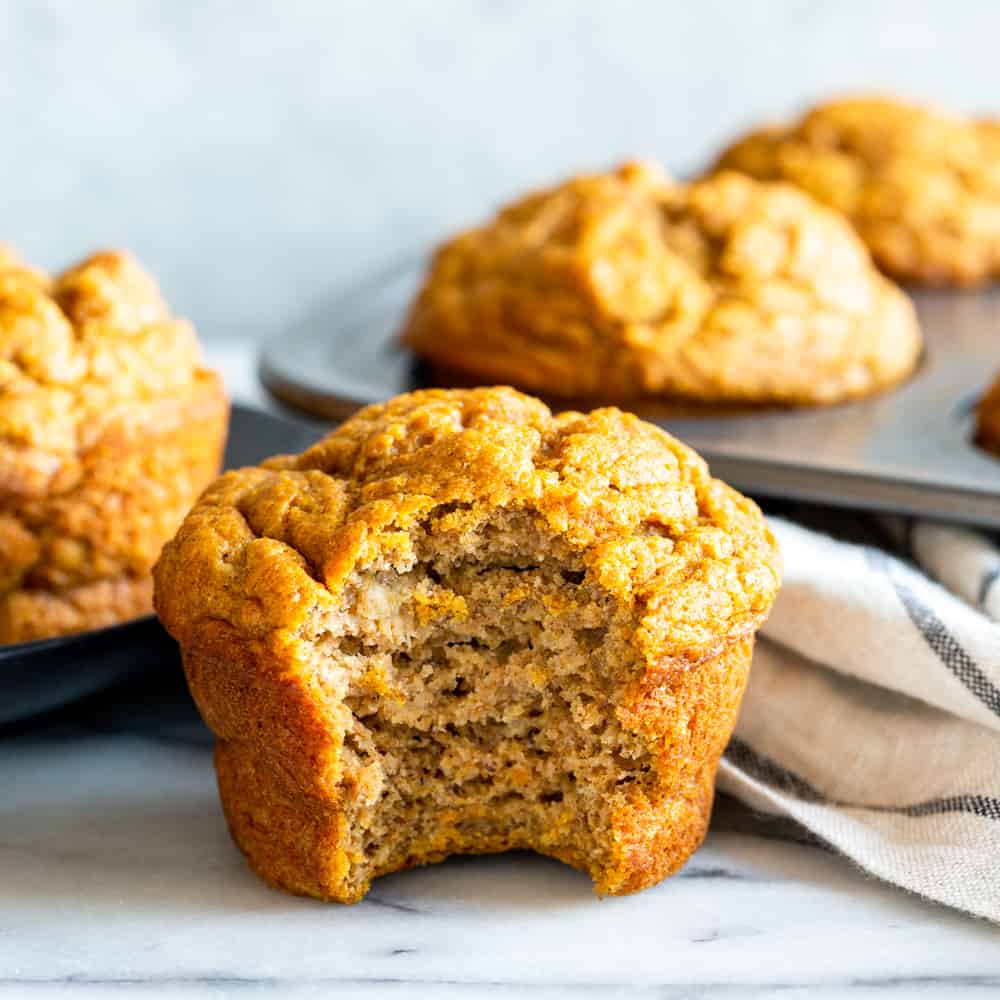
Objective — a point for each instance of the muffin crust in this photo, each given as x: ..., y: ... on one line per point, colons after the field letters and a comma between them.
x: 109, y: 429
x: 921, y: 186
x: 460, y: 624
x: 626, y: 284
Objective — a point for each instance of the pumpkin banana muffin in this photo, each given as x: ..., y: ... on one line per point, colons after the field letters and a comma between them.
x: 626, y: 284
x: 921, y: 186
x: 461, y: 624
x: 988, y: 419
x: 109, y: 429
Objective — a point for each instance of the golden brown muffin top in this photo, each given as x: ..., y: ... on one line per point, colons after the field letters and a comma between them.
x: 921, y: 185
x: 75, y: 349
x: 266, y: 548
x: 625, y: 283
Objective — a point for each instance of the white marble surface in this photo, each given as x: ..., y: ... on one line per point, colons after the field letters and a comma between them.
x: 117, y: 876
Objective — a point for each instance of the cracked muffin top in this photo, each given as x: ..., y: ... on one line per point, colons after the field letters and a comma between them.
x: 627, y: 284
x: 921, y: 186
x: 268, y: 548
x: 76, y: 349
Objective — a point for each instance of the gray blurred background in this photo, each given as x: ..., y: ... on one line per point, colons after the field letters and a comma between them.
x: 257, y: 155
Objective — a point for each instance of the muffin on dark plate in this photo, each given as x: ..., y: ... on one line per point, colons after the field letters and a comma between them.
x: 110, y: 427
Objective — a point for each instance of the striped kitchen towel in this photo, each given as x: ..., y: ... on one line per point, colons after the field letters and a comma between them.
x: 873, y: 712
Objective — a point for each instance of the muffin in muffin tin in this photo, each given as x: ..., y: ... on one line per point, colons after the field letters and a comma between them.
x: 921, y: 186
x: 626, y: 284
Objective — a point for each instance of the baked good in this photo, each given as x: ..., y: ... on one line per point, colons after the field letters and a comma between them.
x: 625, y: 284
x: 921, y: 186
x: 988, y: 419
x: 460, y: 624
x: 109, y: 429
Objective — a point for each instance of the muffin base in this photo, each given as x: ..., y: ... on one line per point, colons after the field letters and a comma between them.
x: 297, y: 840
x: 39, y: 614
x: 80, y: 558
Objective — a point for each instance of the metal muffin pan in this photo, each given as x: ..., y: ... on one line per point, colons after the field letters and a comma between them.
x: 909, y: 450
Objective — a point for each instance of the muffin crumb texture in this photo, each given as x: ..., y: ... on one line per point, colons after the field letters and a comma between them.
x: 921, y: 186
x: 460, y: 624
x: 626, y: 285
x: 109, y: 428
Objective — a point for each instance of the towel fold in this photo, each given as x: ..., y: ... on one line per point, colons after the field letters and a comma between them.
x: 873, y: 711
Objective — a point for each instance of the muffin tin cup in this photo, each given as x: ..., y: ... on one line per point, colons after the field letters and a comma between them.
x: 909, y: 450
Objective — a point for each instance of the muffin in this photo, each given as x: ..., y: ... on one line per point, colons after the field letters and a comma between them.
x: 988, y: 419
x: 921, y: 186
x: 461, y: 624
x: 109, y: 429
x: 625, y: 285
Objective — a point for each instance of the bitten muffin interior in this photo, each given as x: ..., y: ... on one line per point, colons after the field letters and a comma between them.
x: 476, y: 690
x: 462, y: 624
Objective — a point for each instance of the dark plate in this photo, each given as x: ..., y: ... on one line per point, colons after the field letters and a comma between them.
x: 42, y: 675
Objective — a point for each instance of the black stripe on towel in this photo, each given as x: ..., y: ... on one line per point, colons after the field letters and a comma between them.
x: 948, y: 649
x: 769, y: 772
x: 979, y: 805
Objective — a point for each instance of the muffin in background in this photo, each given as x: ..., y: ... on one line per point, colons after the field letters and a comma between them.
x: 109, y: 429
x: 623, y: 285
x: 462, y: 624
x: 921, y: 186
